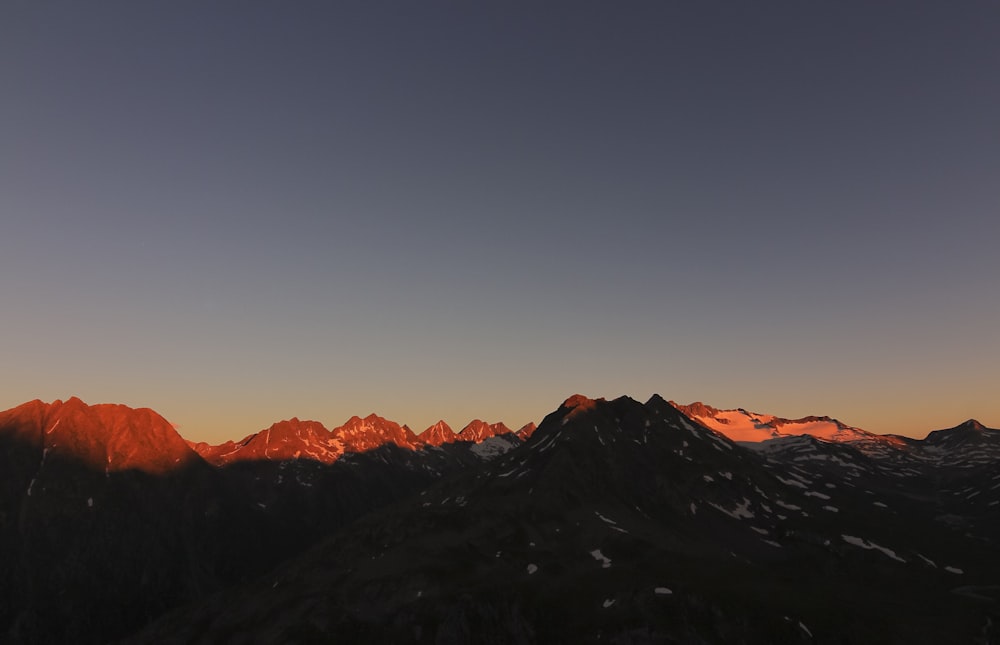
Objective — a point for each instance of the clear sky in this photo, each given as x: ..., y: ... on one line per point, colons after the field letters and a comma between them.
x: 239, y: 212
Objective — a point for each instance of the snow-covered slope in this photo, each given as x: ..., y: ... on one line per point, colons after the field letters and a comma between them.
x: 742, y: 425
x: 755, y: 427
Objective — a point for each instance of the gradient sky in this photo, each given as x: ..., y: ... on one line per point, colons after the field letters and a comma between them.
x: 239, y: 212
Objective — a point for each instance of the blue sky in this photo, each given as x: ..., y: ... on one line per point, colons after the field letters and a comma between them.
x: 242, y: 212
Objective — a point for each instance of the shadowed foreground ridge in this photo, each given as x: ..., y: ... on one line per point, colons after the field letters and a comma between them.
x: 616, y: 521
x: 108, y: 517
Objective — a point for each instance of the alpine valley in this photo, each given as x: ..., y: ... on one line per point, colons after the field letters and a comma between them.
x: 612, y: 521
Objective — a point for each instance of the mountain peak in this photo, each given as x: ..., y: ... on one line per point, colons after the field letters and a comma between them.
x: 362, y: 435
x: 476, y: 431
x: 108, y: 436
x: 697, y: 409
x: 437, y: 434
x: 579, y: 401
x: 656, y: 399
x: 283, y: 440
x: 295, y: 424
x: 968, y: 430
x: 526, y: 431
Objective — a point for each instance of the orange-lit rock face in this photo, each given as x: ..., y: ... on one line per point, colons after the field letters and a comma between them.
x: 479, y: 430
x: 360, y: 435
x: 579, y: 404
x: 296, y: 439
x: 476, y: 430
x: 526, y: 431
x: 106, y: 437
x: 437, y: 434
x: 696, y: 409
x: 284, y: 440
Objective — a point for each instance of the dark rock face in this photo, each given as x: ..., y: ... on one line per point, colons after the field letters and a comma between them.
x: 614, y: 521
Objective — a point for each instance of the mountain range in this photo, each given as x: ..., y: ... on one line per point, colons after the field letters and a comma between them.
x: 295, y: 439
x: 611, y: 521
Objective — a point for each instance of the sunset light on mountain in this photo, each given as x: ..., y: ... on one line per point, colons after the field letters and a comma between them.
x: 239, y: 215
x: 513, y: 322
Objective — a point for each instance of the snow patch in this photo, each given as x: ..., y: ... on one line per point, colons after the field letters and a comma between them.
x: 790, y: 482
x: 662, y: 591
x: 532, y: 568
x: 597, y: 555
x: 545, y: 445
x: 865, y: 544
x: 741, y: 510
x: 490, y: 448
x: 954, y: 570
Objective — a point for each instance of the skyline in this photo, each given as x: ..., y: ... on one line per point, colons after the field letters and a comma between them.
x: 821, y: 427
x: 236, y: 216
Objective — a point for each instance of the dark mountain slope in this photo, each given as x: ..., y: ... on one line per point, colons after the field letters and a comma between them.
x: 623, y: 522
x: 108, y: 518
